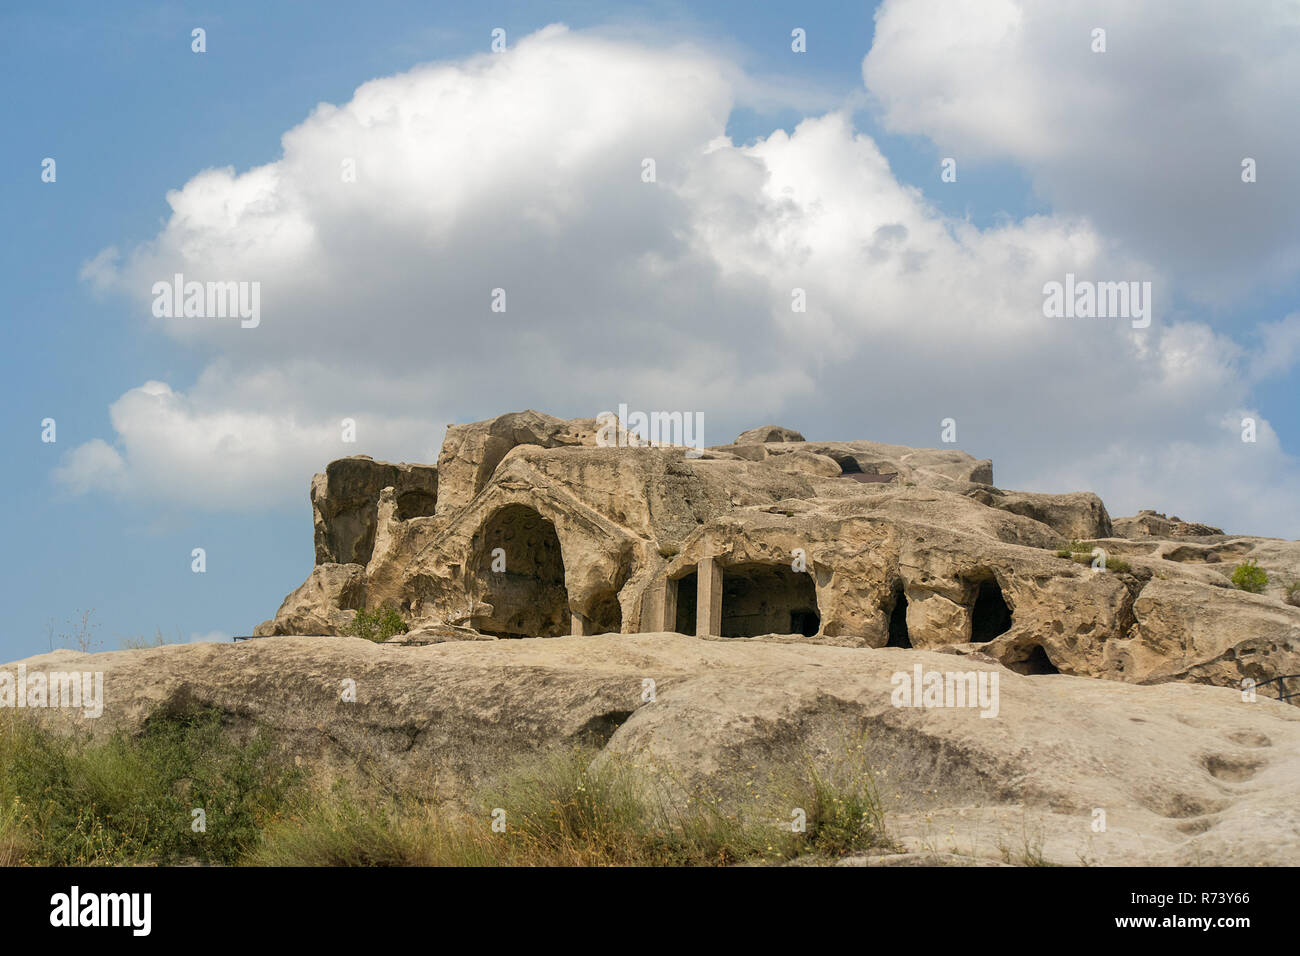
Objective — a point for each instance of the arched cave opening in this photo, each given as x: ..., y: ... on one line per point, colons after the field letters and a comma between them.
x: 526, y: 590
x: 606, y: 616
x: 686, y: 596
x: 768, y: 599
x: 898, y: 636
x: 990, y: 616
x: 1037, y: 663
x: 848, y: 464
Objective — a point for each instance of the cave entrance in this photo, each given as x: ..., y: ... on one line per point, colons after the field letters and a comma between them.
x: 524, y: 580
x: 606, y: 615
x: 687, y: 588
x: 768, y: 599
x: 849, y: 465
x: 990, y: 616
x: 898, y: 636
x: 1037, y: 663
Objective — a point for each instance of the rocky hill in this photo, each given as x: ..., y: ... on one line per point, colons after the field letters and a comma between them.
x: 1061, y: 769
x: 1024, y: 675
x: 534, y: 526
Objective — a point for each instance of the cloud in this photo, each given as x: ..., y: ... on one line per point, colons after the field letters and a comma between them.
x: 1194, y: 480
x: 523, y: 171
x: 1147, y: 138
x: 192, y: 452
x: 1279, y: 347
x: 90, y: 466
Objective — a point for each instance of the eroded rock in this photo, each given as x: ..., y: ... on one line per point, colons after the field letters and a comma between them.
x: 541, y: 530
x: 1185, y: 774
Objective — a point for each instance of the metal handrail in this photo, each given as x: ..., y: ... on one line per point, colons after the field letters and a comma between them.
x: 1280, y: 686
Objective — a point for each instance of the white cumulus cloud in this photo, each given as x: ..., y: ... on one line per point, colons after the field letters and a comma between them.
x: 523, y: 171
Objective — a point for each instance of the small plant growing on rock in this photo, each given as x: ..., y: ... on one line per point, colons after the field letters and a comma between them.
x: 1293, y: 593
x: 1080, y: 552
x: 1075, y: 548
x: 377, y: 626
x: 1248, y: 576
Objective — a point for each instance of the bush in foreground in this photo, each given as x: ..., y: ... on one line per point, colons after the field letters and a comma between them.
x: 568, y: 809
x: 130, y: 800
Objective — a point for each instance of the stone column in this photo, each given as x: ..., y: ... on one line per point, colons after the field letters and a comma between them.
x: 708, y: 601
x: 576, y: 625
x: 669, y: 605
x: 653, y: 614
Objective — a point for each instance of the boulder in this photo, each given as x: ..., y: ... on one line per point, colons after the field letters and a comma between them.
x: 325, y: 603
x: 1216, y: 635
x: 1079, y: 515
x: 767, y: 433
x: 810, y: 464
x: 1153, y: 524
x: 438, y: 634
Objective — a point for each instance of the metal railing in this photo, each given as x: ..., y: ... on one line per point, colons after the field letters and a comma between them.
x: 1281, y: 685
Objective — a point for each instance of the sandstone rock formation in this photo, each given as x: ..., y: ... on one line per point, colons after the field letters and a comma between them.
x: 767, y: 433
x: 1148, y: 523
x: 1185, y: 775
x: 530, y: 526
x: 344, y: 499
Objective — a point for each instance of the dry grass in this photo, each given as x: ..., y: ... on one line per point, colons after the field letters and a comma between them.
x: 129, y: 800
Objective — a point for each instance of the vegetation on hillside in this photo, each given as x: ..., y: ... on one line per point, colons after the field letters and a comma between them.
x: 378, y: 625
x: 1081, y: 553
x: 1248, y: 576
x: 134, y: 800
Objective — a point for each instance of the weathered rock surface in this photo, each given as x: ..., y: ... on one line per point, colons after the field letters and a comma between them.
x: 438, y: 634
x: 1185, y: 774
x: 1079, y: 515
x: 1152, y: 524
x: 471, y: 453
x: 344, y: 498
x: 767, y: 433
x: 542, y: 528
x: 325, y: 603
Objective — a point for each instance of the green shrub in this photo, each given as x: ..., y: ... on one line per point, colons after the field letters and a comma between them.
x: 1248, y: 576
x: 127, y: 800
x: 845, y: 814
x: 377, y: 625
x: 563, y: 809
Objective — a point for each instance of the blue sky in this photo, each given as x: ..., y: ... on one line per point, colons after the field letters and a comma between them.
x: 115, y: 95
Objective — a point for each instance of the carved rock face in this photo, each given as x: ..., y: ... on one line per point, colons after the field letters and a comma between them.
x: 344, y: 501
x: 527, y: 527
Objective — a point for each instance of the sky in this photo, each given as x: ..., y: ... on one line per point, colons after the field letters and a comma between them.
x: 524, y: 169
